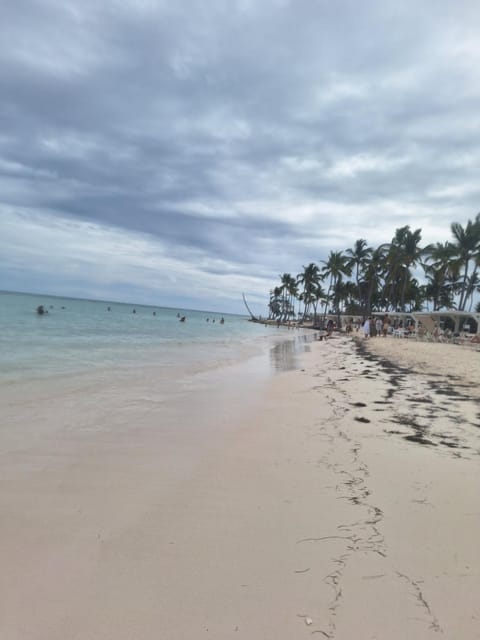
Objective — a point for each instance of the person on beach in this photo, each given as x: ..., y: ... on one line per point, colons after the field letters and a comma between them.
x: 379, y: 326
x: 386, y: 325
x: 330, y: 327
x: 366, y: 328
x: 437, y: 333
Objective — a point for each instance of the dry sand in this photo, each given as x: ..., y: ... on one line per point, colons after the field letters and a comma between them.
x: 342, y: 502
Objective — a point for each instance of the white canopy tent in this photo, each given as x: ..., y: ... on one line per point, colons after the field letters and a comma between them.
x: 460, y: 319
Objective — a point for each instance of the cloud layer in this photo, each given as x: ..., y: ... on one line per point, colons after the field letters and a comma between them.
x: 156, y: 149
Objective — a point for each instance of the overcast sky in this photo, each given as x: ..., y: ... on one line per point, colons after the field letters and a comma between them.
x: 179, y: 152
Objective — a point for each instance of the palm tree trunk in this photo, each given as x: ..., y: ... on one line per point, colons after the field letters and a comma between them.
x: 462, y: 302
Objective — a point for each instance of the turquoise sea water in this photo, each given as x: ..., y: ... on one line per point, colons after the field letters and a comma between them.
x: 79, y: 335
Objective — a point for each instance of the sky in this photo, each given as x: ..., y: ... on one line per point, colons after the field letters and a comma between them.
x: 179, y: 153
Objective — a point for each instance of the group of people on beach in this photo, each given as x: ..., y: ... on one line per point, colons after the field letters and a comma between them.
x: 378, y: 326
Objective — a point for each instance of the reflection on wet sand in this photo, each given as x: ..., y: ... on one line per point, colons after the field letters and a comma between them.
x: 284, y: 356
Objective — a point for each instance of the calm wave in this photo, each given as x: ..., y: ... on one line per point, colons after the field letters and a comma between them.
x: 77, y: 335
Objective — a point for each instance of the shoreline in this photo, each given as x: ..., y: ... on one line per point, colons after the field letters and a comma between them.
x: 242, y: 510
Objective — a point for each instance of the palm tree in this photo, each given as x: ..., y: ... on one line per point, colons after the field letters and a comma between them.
x: 346, y: 292
x: 415, y: 295
x: 441, y: 274
x: 335, y: 267
x: 374, y: 270
x: 275, y: 304
x: 383, y: 277
x: 467, y: 248
x: 438, y: 289
x: 412, y: 253
x: 319, y: 294
x: 473, y: 284
x: 310, y: 278
x: 404, y: 253
x: 393, y: 264
x: 359, y: 259
x: 289, y: 292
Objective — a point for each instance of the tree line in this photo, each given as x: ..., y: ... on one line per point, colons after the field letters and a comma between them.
x: 363, y: 279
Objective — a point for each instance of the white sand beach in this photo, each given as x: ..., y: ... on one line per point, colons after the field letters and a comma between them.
x: 339, y: 500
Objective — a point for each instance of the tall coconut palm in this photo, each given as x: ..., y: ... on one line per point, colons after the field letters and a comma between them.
x: 441, y: 271
x: 415, y: 295
x: 358, y: 259
x: 275, y: 305
x: 375, y: 269
x: 404, y: 252
x: 346, y: 294
x: 437, y: 289
x: 467, y: 248
x: 320, y: 296
x: 473, y: 285
x: 289, y: 291
x: 411, y: 254
x: 335, y: 267
x: 393, y: 272
x: 310, y: 278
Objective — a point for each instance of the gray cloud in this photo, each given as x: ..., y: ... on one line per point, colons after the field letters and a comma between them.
x: 244, y: 137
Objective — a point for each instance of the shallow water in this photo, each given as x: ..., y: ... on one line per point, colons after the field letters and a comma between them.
x: 81, y: 336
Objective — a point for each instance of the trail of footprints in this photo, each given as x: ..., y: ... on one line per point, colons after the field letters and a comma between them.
x: 364, y: 535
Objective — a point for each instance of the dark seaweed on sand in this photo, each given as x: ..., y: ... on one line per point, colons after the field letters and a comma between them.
x: 440, y: 385
x: 420, y: 440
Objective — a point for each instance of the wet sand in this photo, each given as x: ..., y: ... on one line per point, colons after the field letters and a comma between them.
x: 338, y: 499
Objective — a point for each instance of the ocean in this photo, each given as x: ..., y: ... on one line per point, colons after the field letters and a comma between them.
x: 79, y: 336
